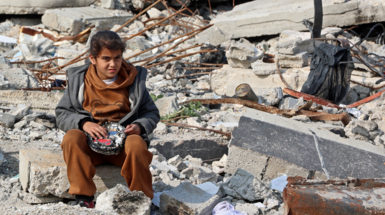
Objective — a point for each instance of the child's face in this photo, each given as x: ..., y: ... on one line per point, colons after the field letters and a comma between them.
x: 108, y: 63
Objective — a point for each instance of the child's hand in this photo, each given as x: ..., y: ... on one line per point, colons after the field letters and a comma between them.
x: 132, y: 129
x: 96, y: 131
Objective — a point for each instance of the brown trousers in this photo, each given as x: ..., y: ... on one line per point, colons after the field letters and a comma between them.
x: 81, y: 161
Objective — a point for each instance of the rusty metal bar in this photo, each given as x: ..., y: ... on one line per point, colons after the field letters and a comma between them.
x: 211, y: 12
x: 365, y: 100
x: 201, y: 68
x: 69, y: 63
x: 184, y: 76
x: 43, y: 88
x: 166, y: 18
x: 182, y: 50
x: 182, y: 41
x: 137, y: 15
x: 205, y: 64
x: 370, y: 87
x: 207, y: 129
x: 189, y: 23
x: 250, y: 104
x: 152, y: 19
x: 33, y: 73
x: 179, y: 117
x: 170, y: 53
x: 311, y: 98
x: 194, y: 17
x: 191, y: 12
x: 179, y: 57
x: 32, y: 62
x: 281, y: 77
x: 169, y: 41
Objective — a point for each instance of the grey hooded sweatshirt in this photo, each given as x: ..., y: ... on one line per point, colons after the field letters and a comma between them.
x: 70, y: 113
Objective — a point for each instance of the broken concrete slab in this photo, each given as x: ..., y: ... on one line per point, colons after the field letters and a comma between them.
x: 187, y: 199
x: 20, y: 111
x: 242, y: 54
x: 74, y: 20
x: 44, y: 172
x: 167, y: 105
x: 7, y: 119
x: 224, y: 81
x: 7, y: 43
x: 261, y: 68
x: 294, y: 61
x: 260, y: 17
x: 282, y: 138
x: 248, y: 186
x: 214, y: 36
x: 203, y: 146
x: 123, y: 201
x: 38, y: 7
x: 37, y: 100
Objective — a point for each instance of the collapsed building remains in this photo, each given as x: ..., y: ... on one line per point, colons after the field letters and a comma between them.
x: 247, y: 122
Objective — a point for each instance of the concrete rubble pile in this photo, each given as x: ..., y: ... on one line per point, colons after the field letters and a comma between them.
x: 215, y: 142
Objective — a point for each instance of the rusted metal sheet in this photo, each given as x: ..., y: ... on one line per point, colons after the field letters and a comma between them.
x: 348, y: 196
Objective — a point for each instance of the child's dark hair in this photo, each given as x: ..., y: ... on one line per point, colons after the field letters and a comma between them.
x: 106, y: 39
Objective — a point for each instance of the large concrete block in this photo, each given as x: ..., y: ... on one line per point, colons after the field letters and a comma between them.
x: 291, y: 141
x: 37, y: 100
x: 44, y: 172
x: 187, y: 199
x: 259, y: 17
x: 198, y: 146
x: 167, y: 105
x: 224, y: 81
x: 74, y: 20
x: 38, y: 6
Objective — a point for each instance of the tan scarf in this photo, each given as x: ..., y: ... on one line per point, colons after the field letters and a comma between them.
x: 108, y: 102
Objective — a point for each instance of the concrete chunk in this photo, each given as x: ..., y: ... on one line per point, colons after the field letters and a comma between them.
x: 242, y: 53
x: 248, y: 186
x: 294, y: 61
x: 123, y: 201
x: 292, y: 143
x: 261, y: 68
x: 44, y: 172
x: 259, y: 17
x: 187, y: 199
x: 74, y: 20
x: 167, y: 105
x: 224, y: 81
x: 199, y: 146
x: 7, y: 120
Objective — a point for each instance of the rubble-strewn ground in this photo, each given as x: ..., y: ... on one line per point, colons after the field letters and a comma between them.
x: 191, y: 169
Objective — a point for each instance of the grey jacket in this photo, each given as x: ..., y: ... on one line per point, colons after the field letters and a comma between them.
x: 69, y: 112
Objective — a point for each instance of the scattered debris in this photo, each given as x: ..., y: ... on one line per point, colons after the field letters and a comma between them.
x: 236, y: 105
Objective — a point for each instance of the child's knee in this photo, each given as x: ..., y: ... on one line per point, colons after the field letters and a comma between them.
x: 135, y: 144
x: 73, y: 136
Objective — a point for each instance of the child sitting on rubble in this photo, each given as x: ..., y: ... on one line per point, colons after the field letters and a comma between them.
x: 106, y: 90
